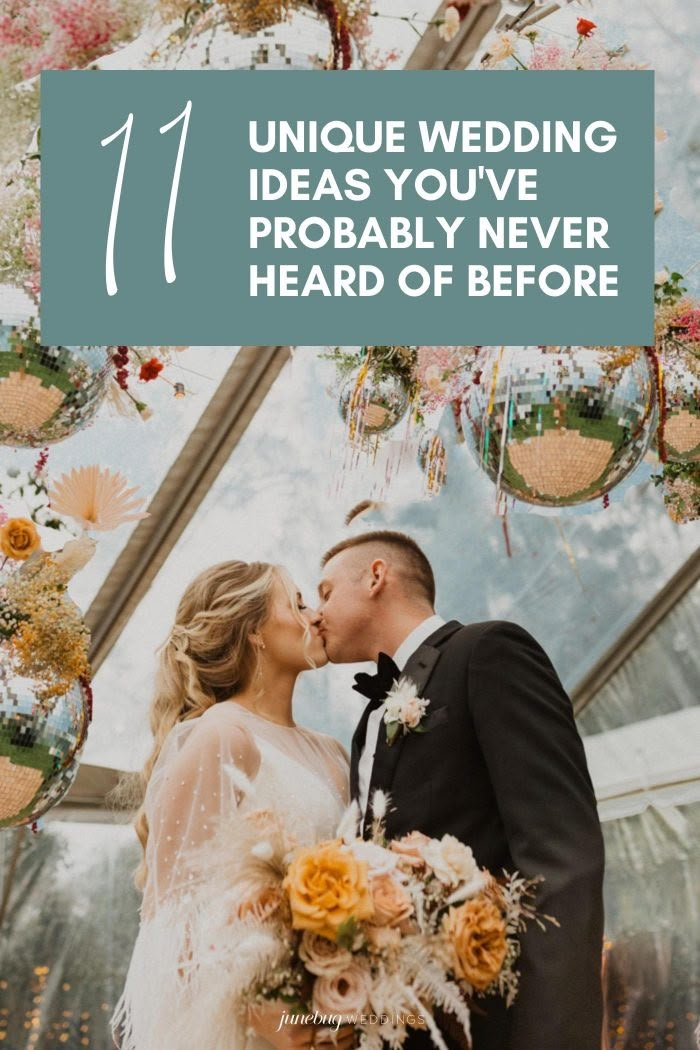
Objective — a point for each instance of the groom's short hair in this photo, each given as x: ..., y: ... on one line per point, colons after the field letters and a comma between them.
x: 414, y: 565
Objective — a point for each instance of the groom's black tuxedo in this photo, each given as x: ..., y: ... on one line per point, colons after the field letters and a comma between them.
x: 502, y: 768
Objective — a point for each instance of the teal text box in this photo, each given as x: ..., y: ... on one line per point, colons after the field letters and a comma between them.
x: 209, y: 302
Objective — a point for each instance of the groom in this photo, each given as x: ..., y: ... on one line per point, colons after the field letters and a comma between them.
x: 500, y: 766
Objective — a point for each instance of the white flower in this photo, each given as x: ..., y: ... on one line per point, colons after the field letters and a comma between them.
x: 449, y: 28
x: 503, y: 47
x: 453, y: 864
x: 380, y: 804
x: 403, y: 704
x: 380, y: 861
x: 661, y: 276
x: 263, y: 850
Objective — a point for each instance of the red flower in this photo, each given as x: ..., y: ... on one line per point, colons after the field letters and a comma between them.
x: 584, y: 27
x: 462, y: 6
x: 150, y: 369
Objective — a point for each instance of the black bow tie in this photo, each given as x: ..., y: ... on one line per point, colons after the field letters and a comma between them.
x: 376, y: 686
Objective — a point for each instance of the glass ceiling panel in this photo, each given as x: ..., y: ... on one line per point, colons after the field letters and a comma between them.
x: 576, y: 581
x: 661, y: 677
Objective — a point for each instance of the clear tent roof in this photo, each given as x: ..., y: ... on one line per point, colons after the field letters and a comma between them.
x: 576, y: 582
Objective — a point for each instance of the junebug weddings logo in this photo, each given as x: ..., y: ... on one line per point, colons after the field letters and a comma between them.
x: 335, y: 1022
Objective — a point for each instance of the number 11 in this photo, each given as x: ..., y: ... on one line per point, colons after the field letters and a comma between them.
x: 125, y: 129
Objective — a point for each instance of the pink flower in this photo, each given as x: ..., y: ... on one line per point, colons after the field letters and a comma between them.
x: 688, y: 325
x: 345, y: 994
x: 443, y: 374
x: 410, y: 849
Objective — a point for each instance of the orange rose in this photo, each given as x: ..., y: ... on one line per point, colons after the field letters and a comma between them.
x: 476, y: 933
x: 326, y: 886
x: 19, y: 538
x: 392, y: 903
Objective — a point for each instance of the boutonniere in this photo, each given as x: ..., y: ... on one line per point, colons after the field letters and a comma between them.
x: 404, y: 710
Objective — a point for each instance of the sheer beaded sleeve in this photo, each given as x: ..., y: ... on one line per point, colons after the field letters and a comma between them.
x: 198, y: 782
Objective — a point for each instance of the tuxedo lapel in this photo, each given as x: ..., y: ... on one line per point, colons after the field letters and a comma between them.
x: 419, y: 669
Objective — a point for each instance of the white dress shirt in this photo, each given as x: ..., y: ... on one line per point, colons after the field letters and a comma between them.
x: 407, y: 648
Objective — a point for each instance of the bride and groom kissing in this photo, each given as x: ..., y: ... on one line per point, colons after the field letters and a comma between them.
x: 484, y: 749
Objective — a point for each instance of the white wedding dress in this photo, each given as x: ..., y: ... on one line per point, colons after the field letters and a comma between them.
x: 212, y: 773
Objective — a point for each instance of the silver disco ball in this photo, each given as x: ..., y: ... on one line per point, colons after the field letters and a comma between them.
x: 681, y: 427
x: 48, y: 393
x: 551, y: 428
x: 373, y: 404
x: 302, y: 41
x: 40, y: 745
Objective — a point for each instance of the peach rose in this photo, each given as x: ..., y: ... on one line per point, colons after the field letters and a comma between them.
x: 322, y: 957
x: 260, y: 903
x: 413, y: 712
x: 19, y: 538
x: 392, y: 904
x: 345, y: 994
x: 476, y: 934
x: 326, y: 886
x: 409, y: 849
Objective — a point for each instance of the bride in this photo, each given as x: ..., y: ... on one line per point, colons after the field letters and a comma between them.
x: 226, y: 745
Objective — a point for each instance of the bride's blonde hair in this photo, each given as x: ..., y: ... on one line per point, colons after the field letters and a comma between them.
x: 209, y: 655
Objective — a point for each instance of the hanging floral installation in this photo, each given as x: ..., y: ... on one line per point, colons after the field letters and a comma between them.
x: 31, y: 490
x: 49, y: 393
x: 529, y: 48
x: 378, y: 387
x: 348, y: 22
x: 135, y: 366
x: 677, y: 354
x: 45, y: 690
x: 96, y: 498
x: 62, y: 34
x: 604, y: 407
x: 20, y: 226
x: 675, y: 359
x: 42, y: 632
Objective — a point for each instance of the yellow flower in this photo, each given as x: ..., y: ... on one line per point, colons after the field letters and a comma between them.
x: 476, y: 933
x: 327, y: 886
x: 19, y: 538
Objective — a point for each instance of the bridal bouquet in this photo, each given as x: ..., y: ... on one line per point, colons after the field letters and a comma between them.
x: 373, y: 933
